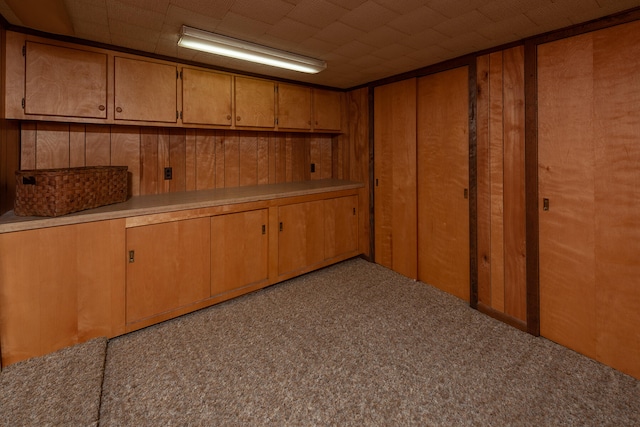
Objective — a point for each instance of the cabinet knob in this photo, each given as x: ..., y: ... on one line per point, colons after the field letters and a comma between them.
x: 119, y: 109
x: 101, y: 108
x: 238, y: 119
x: 229, y: 117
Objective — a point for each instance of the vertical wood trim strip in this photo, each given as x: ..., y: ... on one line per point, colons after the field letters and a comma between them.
x: 483, y: 174
x: 473, y: 185
x: 28, y: 145
x: 190, y: 160
x: 531, y: 187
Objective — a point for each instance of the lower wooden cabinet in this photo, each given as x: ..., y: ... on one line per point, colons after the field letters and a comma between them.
x: 168, y: 267
x: 313, y: 232
x: 60, y: 286
x: 239, y: 250
x: 301, y: 235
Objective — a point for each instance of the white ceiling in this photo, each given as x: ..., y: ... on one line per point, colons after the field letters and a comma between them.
x: 361, y: 40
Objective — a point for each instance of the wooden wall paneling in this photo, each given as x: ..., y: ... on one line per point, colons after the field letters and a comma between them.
x: 443, y: 178
x: 326, y: 154
x: 52, y: 145
x: 496, y: 162
x: 219, y: 141
x: 273, y: 154
x: 359, y: 154
x: 616, y: 129
x: 190, y: 159
x: 164, y: 159
x: 315, y: 157
x: 28, y: 145
x: 97, y: 145
x: 483, y: 181
x: 395, y: 177
x: 515, y: 304
x: 177, y: 160
x: 9, y: 163
x: 125, y: 151
x: 77, y: 149
x: 281, y: 158
x: 231, y: 160
x: 150, y: 168
x: 205, y: 168
x: 566, y: 177
x: 264, y: 161
x: 248, y: 152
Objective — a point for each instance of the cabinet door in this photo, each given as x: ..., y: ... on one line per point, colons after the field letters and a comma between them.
x: 341, y: 226
x: 145, y: 91
x: 239, y: 250
x: 255, y: 103
x: 60, y: 286
x: 327, y: 110
x: 301, y: 236
x: 294, y: 107
x: 168, y: 268
x: 65, y: 82
x: 206, y: 97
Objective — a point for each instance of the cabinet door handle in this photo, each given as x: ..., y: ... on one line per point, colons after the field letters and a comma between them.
x: 101, y: 107
x: 354, y: 211
x: 281, y: 227
x: 238, y: 119
x: 545, y: 204
x: 132, y: 256
x: 119, y: 109
x: 264, y: 229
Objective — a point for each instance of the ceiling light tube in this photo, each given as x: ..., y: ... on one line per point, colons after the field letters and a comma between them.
x: 217, y: 44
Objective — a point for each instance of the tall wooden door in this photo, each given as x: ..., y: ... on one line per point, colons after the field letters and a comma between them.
x: 395, y: 177
x: 443, y: 181
x: 589, y: 170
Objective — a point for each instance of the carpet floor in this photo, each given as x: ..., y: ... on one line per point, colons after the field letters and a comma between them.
x: 350, y: 345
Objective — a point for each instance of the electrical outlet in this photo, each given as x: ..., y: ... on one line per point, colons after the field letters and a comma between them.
x: 313, y: 167
x: 168, y: 173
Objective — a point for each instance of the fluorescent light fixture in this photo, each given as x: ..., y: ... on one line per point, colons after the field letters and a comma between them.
x: 217, y: 44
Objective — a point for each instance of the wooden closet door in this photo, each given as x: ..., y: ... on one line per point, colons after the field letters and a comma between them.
x: 443, y: 181
x: 589, y: 152
x: 395, y: 177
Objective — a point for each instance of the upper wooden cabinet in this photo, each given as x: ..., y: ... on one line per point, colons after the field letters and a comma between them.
x: 255, y: 102
x: 206, y: 97
x: 145, y: 91
x: 294, y: 107
x: 327, y: 111
x: 60, y: 81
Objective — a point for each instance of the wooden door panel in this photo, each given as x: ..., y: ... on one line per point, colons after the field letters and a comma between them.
x: 145, y: 91
x: 341, y: 226
x: 254, y: 103
x: 239, y: 250
x: 395, y: 177
x: 327, y: 108
x: 294, y: 107
x: 301, y: 237
x: 68, y: 82
x: 616, y: 127
x: 206, y: 97
x: 566, y: 177
x: 443, y: 164
x: 171, y: 267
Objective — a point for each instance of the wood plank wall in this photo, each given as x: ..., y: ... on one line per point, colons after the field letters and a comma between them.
x: 501, y: 185
x: 200, y: 159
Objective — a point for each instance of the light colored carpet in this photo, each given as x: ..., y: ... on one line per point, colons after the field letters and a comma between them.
x: 354, y: 345
x: 59, y: 389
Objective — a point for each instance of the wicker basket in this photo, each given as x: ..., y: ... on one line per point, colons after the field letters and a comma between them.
x: 55, y: 192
